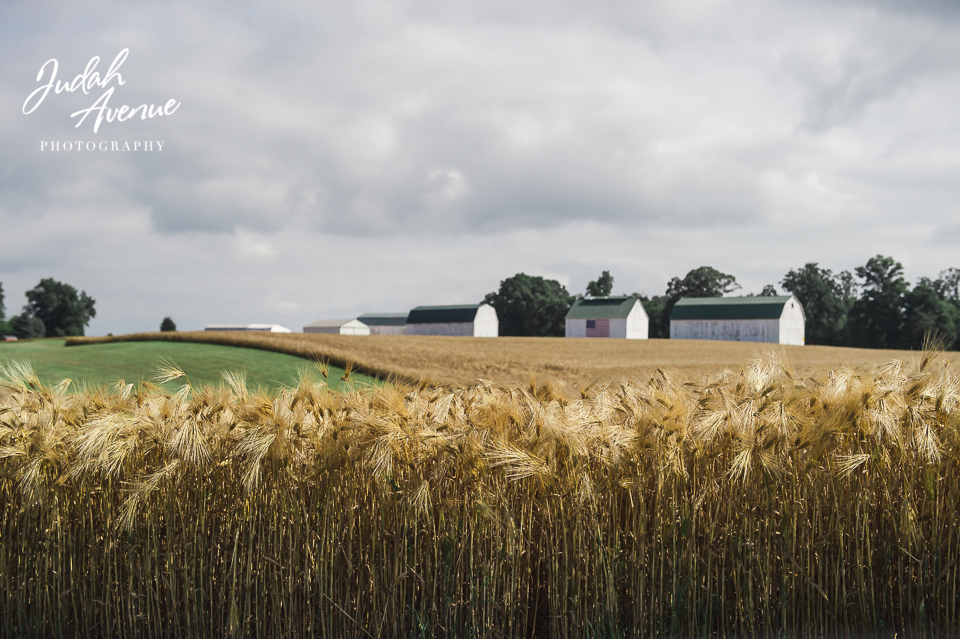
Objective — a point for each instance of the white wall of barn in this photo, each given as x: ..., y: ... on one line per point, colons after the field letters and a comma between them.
x: 486, y: 323
x: 354, y: 327
x: 449, y: 328
x: 792, y: 324
x: 754, y: 330
x: 388, y: 330
x: 575, y: 328
x: 637, y: 323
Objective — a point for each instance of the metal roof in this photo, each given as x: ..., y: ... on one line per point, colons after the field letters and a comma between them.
x: 331, y: 323
x: 384, y: 319
x: 731, y: 308
x: 602, y: 308
x: 443, y: 314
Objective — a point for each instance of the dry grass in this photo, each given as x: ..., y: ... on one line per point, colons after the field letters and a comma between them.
x: 516, y: 360
x: 763, y: 504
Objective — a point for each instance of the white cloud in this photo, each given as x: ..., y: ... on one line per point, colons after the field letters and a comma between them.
x: 329, y: 159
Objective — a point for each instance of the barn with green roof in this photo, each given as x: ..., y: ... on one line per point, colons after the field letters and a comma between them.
x: 475, y: 320
x: 619, y: 316
x: 772, y: 319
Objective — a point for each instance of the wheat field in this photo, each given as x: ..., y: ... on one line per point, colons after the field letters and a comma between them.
x: 761, y: 504
x: 572, y: 363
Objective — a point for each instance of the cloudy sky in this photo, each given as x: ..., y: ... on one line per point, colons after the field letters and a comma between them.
x: 328, y: 159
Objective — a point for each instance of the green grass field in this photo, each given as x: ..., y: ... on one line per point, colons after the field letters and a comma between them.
x: 104, y: 364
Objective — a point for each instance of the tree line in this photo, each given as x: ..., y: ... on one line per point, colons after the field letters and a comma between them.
x: 53, y: 309
x: 872, y: 307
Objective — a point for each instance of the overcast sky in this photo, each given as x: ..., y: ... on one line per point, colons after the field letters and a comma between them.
x: 330, y: 159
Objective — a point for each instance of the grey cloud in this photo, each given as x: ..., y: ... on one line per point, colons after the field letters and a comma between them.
x: 549, y: 137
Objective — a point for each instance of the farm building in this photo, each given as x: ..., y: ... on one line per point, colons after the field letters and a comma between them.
x: 385, y: 323
x: 338, y: 327
x: 477, y: 320
x: 268, y: 328
x: 621, y: 316
x: 775, y: 319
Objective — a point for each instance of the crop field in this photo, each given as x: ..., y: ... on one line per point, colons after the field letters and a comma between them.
x: 106, y: 364
x: 572, y: 363
x: 764, y: 503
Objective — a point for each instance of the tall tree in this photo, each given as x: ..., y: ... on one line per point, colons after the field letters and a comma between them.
x: 6, y: 328
x: 62, y: 309
x: 27, y: 326
x: 601, y: 286
x: 822, y: 296
x: 705, y: 281
x: 167, y: 325
x: 531, y: 306
x: 876, y: 317
x: 927, y: 312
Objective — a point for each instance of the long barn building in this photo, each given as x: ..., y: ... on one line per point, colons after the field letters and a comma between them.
x: 475, y: 320
x: 774, y: 319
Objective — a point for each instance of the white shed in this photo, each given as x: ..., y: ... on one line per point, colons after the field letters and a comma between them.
x: 338, y: 327
x: 385, y: 323
x: 774, y: 319
x: 267, y: 328
x: 476, y: 320
x: 622, y: 317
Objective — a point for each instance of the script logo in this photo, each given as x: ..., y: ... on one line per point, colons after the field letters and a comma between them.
x: 85, y: 82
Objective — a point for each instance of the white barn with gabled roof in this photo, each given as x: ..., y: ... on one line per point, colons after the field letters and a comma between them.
x: 618, y: 316
x: 337, y: 327
x: 475, y: 320
x: 773, y: 319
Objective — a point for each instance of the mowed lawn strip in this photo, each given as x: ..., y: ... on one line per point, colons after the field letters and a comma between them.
x: 517, y: 360
x: 106, y: 363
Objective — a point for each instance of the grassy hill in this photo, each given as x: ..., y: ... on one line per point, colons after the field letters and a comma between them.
x: 104, y: 364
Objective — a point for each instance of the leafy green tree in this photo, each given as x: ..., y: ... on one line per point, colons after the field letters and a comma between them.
x: 64, y: 312
x: 950, y: 284
x: 27, y: 326
x: 926, y: 311
x: 654, y: 307
x: 705, y: 281
x: 5, y: 327
x: 822, y: 296
x: 601, y: 286
x: 531, y: 306
x: 167, y: 326
x: 876, y: 318
x: 768, y: 291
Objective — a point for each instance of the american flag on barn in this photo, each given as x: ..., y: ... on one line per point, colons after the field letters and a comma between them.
x: 621, y: 316
x: 598, y: 328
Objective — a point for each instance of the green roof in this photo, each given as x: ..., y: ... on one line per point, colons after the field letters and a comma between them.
x: 602, y: 308
x: 731, y: 308
x: 384, y: 319
x: 443, y: 314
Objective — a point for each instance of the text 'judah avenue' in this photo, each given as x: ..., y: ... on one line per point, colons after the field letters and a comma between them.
x: 85, y: 82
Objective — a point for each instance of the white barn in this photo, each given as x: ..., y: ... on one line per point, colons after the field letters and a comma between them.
x: 476, y: 320
x: 267, y: 328
x: 774, y: 319
x: 622, y: 317
x: 385, y: 323
x: 337, y: 327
